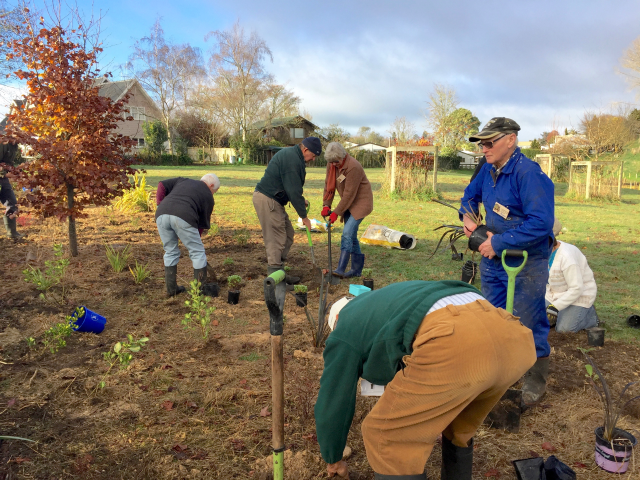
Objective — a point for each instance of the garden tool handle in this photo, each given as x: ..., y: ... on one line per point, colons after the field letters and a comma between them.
x: 309, y: 237
x: 275, y: 278
x: 512, y: 272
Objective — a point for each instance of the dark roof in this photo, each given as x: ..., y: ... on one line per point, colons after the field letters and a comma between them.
x: 281, y: 122
x: 3, y: 124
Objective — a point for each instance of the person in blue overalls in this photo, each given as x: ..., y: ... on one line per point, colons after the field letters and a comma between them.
x: 519, y: 204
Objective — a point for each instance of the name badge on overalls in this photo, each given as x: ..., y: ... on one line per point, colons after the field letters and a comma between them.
x: 341, y: 178
x: 501, y: 210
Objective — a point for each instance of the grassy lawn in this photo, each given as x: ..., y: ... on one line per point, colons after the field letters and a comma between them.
x: 607, y: 232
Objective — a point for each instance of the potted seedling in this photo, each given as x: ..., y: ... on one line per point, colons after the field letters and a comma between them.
x: 367, y: 277
x: 613, y: 445
x: 300, y: 292
x: 234, y: 282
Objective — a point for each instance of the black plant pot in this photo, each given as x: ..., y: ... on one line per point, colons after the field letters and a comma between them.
x: 634, y: 321
x: 368, y: 283
x: 478, y: 237
x: 457, y: 257
x: 301, y: 299
x: 210, y: 289
x: 233, y: 297
x: 595, y: 336
x: 469, y: 271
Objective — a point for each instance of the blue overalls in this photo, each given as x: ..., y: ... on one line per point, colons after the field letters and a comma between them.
x: 527, y: 193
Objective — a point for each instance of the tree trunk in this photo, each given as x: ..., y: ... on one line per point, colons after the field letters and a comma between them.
x: 73, y: 238
x: 169, y: 138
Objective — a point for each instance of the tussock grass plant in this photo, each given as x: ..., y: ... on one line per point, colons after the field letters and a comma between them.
x: 118, y: 258
x: 213, y: 230
x: 140, y: 272
x: 136, y: 199
x: 227, y: 261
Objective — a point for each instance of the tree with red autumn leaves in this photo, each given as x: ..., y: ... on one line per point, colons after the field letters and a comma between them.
x: 78, y: 160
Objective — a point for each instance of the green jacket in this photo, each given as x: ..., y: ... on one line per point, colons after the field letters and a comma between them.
x: 374, y: 331
x: 284, y: 178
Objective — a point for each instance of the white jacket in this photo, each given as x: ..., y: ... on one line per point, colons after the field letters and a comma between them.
x: 571, y: 280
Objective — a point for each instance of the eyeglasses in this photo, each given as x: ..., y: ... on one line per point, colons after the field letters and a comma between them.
x: 489, y: 145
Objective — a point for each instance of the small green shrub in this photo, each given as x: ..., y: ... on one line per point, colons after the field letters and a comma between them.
x: 52, y: 275
x: 56, y: 337
x: 300, y: 289
x: 118, y: 259
x: 228, y: 261
x: 234, y: 282
x: 287, y: 268
x: 122, y: 353
x: 200, y: 309
x: 242, y: 237
x: 367, y: 273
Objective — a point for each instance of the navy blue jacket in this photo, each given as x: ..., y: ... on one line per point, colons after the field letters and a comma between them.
x: 527, y: 192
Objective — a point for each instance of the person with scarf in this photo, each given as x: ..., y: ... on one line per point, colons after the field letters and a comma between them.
x: 346, y: 175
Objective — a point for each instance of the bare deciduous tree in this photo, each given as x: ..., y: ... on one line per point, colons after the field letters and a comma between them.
x: 440, y: 106
x: 630, y: 61
x: 402, y: 130
x: 237, y: 64
x: 166, y: 71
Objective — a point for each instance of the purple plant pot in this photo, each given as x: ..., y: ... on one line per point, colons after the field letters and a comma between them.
x: 616, y: 459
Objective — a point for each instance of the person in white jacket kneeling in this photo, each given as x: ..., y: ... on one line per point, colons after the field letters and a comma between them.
x: 572, y: 289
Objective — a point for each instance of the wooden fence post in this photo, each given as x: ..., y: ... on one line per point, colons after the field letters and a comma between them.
x: 587, y: 192
x: 435, y: 170
x: 393, y: 169
x: 620, y: 181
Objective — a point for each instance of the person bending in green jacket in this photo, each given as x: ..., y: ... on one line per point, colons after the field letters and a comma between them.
x: 446, y: 357
x: 282, y: 183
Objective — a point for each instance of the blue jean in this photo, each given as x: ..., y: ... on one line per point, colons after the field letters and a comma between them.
x: 349, y: 240
x: 575, y: 318
x: 528, y: 300
x: 172, y: 228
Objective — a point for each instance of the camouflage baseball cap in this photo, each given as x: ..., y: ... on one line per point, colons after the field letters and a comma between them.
x: 495, y: 126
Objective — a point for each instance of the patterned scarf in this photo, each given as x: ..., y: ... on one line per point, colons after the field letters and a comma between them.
x: 331, y: 180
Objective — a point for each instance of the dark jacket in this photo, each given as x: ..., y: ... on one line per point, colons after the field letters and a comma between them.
x: 284, y: 178
x: 190, y: 200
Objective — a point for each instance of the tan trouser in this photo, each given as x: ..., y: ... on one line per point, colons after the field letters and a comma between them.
x: 464, y: 358
x: 277, y: 230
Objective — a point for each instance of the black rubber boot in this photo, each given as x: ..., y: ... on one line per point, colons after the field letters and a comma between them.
x: 200, y: 274
x: 419, y: 476
x: 170, y: 280
x: 341, y: 271
x: 457, y: 462
x: 535, y: 383
x: 291, y: 279
x: 10, y: 226
x: 357, y: 264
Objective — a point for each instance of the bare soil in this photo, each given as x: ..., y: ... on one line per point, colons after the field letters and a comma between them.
x: 191, y: 408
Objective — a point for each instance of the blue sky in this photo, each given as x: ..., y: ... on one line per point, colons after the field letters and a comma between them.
x: 542, y: 63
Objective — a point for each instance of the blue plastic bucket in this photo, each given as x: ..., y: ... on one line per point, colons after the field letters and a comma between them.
x: 356, y: 290
x: 89, y: 322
